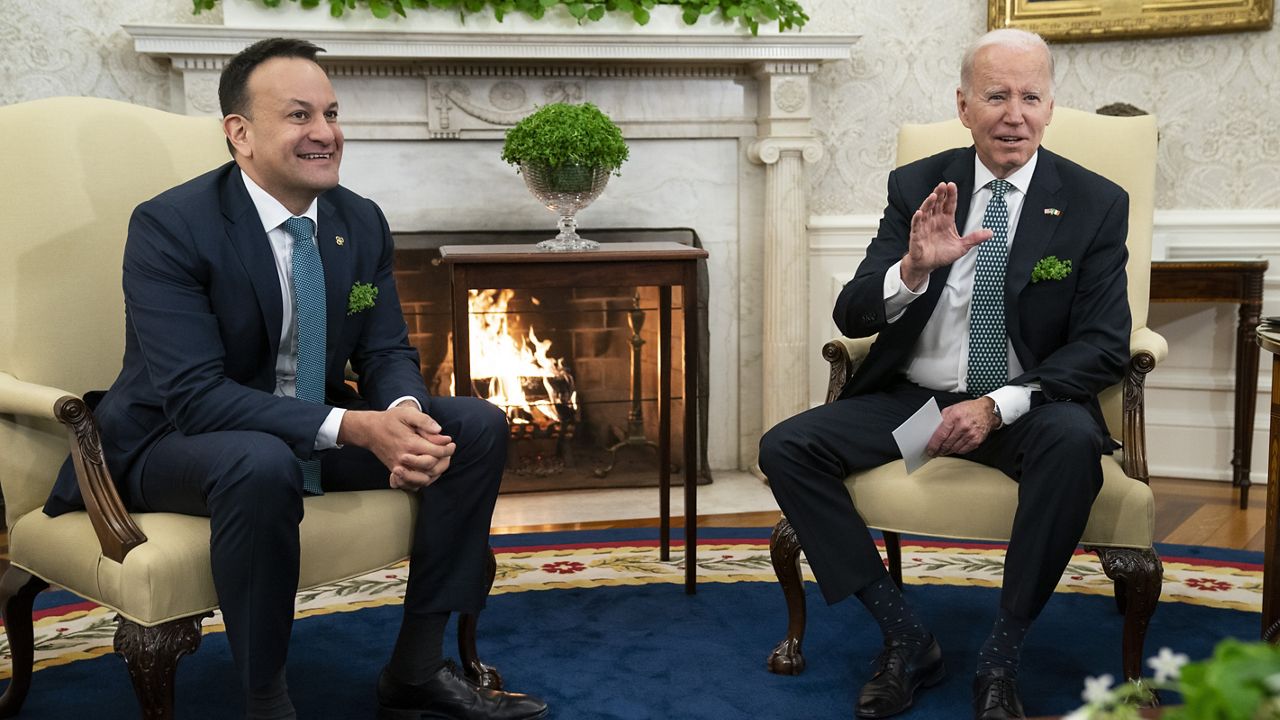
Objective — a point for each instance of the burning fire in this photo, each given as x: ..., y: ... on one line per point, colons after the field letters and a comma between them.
x: 515, y: 373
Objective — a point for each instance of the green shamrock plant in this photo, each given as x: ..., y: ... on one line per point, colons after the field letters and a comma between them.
x: 1050, y: 268
x: 361, y: 298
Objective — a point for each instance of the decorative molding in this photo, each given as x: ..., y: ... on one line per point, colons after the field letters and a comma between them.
x: 791, y: 95
x: 408, y: 68
x: 210, y: 41
x: 518, y: 98
x: 786, y: 68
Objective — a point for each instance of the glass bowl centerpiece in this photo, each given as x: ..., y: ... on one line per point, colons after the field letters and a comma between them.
x: 566, y: 154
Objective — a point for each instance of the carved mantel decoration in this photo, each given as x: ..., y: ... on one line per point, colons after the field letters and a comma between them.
x: 410, y: 88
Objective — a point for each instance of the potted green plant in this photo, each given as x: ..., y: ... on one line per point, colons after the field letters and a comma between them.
x: 566, y: 154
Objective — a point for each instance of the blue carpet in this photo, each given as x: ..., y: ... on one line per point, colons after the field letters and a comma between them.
x: 652, y: 652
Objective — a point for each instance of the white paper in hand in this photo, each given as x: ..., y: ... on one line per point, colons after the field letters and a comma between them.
x: 913, y: 435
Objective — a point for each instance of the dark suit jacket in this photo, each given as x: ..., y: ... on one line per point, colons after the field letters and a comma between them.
x: 1071, y: 335
x: 203, y: 317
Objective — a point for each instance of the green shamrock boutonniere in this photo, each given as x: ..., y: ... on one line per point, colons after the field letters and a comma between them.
x: 361, y: 298
x: 1050, y: 268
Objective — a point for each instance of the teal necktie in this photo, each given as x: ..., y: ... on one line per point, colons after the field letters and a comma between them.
x: 988, y: 349
x: 309, y: 313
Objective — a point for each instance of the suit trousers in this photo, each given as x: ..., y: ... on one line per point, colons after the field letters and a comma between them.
x: 249, y: 485
x: 1052, y: 452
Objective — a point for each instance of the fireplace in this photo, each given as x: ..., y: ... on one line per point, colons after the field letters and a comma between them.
x: 585, y: 350
x: 720, y: 136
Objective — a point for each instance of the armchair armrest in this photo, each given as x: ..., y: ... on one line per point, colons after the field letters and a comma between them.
x: 117, y: 532
x: 845, y: 355
x: 1146, y: 340
x: 18, y: 397
x: 1146, y: 349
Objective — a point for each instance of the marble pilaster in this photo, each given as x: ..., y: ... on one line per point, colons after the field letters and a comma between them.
x: 786, y: 143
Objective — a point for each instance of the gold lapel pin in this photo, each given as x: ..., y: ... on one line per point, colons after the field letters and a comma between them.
x: 339, y: 239
x: 1047, y: 211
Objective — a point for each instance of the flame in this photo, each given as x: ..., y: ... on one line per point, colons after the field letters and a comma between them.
x: 504, y: 367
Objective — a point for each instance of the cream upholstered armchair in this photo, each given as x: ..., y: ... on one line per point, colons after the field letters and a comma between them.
x: 954, y: 498
x: 74, y: 170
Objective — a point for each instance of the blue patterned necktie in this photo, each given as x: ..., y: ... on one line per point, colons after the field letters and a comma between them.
x: 309, y: 313
x: 988, y: 350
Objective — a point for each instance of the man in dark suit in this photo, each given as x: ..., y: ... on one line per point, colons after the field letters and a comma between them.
x: 247, y: 292
x: 1015, y: 364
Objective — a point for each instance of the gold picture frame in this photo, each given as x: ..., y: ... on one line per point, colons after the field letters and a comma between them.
x: 1082, y: 20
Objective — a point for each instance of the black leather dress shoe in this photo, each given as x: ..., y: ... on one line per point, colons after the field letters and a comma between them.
x: 995, y: 696
x: 447, y: 696
x: 900, y: 671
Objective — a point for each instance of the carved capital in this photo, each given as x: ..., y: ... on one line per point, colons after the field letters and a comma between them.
x: 200, y: 92
x: 786, y: 99
x: 768, y: 151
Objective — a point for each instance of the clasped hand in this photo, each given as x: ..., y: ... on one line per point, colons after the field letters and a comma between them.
x: 934, y: 240
x: 405, y: 439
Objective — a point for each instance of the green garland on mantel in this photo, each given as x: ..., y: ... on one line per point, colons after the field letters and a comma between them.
x: 751, y: 13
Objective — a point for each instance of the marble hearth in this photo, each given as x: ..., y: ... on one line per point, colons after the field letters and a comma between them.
x: 719, y: 129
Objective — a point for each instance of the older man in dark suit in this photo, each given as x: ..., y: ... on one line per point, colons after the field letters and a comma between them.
x: 247, y: 292
x: 1015, y: 365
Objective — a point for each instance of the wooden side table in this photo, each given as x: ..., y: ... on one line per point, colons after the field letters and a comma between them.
x: 664, y: 264
x: 1270, y: 341
x: 1229, y: 281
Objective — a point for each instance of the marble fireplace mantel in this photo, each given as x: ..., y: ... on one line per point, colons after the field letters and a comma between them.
x: 684, y: 93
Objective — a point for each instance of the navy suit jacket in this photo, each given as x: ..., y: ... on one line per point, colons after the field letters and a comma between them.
x: 203, y: 317
x: 1070, y: 335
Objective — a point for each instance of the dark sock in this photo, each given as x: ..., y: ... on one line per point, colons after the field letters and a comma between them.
x: 1004, y: 645
x: 419, y: 651
x: 897, y: 621
x: 271, y: 701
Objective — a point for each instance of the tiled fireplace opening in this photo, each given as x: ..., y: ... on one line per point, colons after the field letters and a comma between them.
x: 591, y: 330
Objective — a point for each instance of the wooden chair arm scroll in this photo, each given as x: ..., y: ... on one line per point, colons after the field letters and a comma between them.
x: 117, y: 533
x: 845, y: 355
x: 1134, y: 431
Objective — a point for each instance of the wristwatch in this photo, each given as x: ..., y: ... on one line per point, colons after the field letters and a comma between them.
x: 995, y: 410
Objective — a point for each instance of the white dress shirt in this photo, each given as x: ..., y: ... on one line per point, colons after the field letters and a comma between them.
x: 273, y: 215
x: 940, y: 359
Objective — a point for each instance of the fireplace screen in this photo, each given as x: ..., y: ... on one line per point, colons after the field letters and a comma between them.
x: 574, y: 369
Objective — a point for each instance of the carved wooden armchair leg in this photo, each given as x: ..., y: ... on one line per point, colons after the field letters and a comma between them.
x: 18, y: 590
x: 152, y: 654
x: 1138, y: 575
x: 477, y: 672
x: 784, y: 551
x: 893, y: 549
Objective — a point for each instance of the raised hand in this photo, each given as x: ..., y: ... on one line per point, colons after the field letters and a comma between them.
x: 934, y: 240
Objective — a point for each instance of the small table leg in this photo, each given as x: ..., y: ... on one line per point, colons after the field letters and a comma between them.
x: 461, y: 332
x: 689, y: 301
x: 1271, y: 554
x: 1246, y: 396
x: 664, y: 422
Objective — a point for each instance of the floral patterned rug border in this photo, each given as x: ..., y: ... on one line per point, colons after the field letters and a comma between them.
x: 82, y: 634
